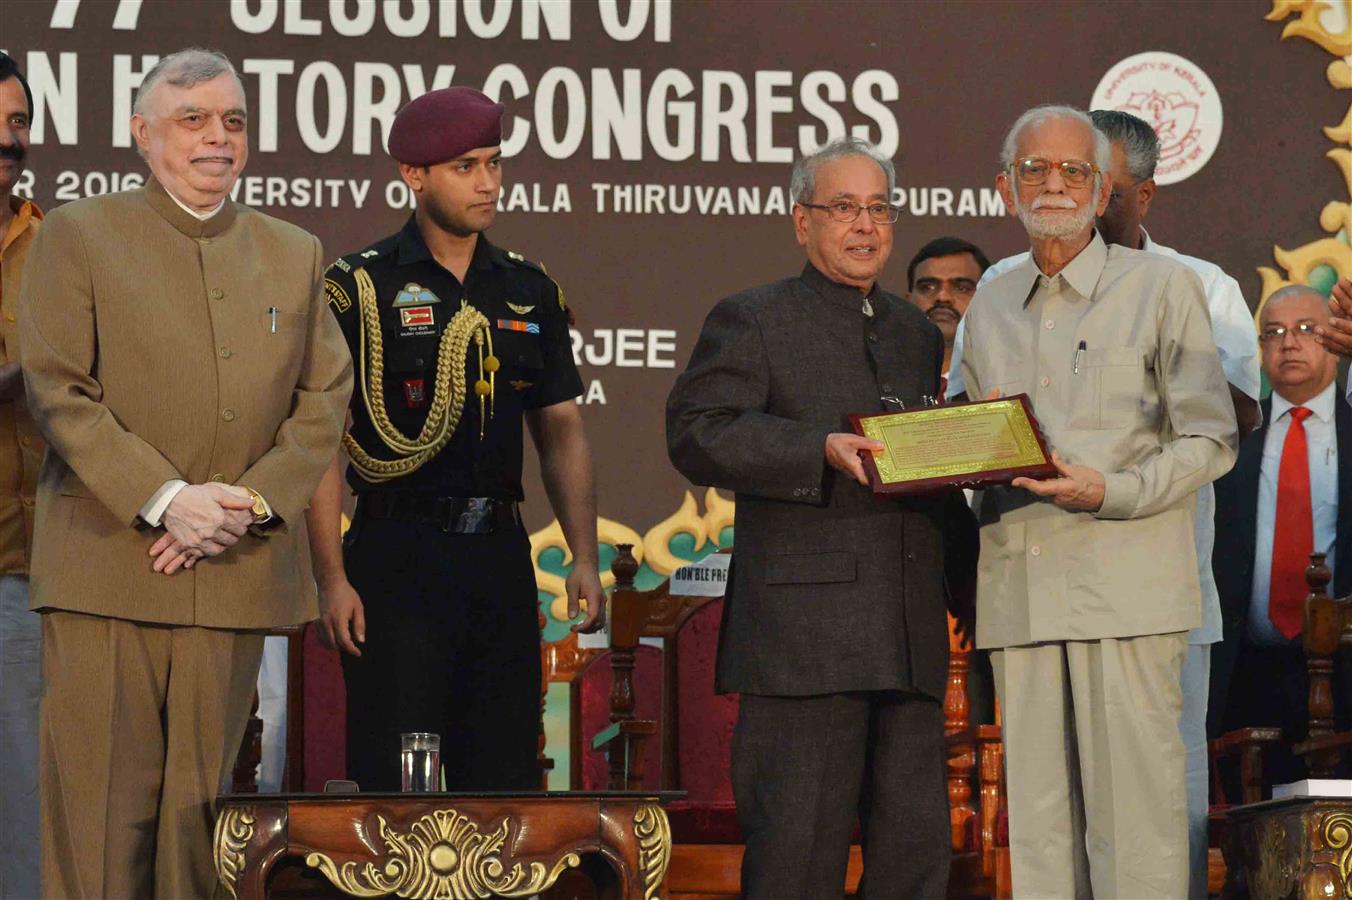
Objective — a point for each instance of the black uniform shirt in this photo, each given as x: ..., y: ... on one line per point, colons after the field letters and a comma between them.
x: 417, y: 298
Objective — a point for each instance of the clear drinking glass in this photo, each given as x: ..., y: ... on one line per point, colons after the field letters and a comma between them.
x: 421, y: 761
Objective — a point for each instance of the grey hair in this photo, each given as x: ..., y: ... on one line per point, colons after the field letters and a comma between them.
x: 803, y: 181
x: 184, y: 69
x: 1140, y: 143
x: 1038, y: 115
x: 1291, y: 290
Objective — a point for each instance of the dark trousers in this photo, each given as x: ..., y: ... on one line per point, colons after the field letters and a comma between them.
x: 804, y: 769
x: 1270, y: 687
x: 452, y: 647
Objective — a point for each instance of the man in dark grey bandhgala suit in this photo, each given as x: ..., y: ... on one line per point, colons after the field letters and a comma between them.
x: 834, y: 628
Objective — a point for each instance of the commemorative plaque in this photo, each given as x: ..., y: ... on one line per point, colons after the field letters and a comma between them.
x: 969, y: 445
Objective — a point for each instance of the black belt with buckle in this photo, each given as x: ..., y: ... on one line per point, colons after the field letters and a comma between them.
x: 453, y: 515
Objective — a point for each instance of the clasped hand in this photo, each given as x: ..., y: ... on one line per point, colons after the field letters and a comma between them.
x: 1336, y: 336
x: 202, y: 520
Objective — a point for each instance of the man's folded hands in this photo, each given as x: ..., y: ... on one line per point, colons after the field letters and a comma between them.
x: 202, y: 520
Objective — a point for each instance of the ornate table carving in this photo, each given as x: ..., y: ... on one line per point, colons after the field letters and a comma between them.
x: 444, y: 846
x: 1297, y: 848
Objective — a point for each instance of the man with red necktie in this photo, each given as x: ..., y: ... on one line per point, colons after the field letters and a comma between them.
x: 1289, y: 494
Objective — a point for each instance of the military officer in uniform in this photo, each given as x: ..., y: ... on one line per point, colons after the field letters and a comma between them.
x: 432, y: 593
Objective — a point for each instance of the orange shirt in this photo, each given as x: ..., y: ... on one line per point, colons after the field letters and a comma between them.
x: 21, y: 447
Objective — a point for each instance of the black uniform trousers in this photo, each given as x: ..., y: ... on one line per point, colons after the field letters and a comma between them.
x: 452, y: 647
x: 804, y: 769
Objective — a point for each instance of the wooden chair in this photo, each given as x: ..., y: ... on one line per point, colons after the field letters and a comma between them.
x: 1327, y: 625
x: 656, y: 714
x: 979, y: 830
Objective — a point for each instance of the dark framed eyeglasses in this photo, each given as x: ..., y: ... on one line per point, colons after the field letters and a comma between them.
x: 848, y: 211
x: 1274, y: 334
x: 1034, y: 170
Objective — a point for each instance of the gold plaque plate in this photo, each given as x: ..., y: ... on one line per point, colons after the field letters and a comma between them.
x: 975, y: 444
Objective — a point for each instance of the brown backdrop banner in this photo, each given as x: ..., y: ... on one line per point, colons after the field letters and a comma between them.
x: 650, y: 142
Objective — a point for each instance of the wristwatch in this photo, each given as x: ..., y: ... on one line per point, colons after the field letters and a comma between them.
x: 260, y: 510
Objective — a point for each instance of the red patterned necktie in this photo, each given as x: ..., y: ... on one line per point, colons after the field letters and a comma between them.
x: 1293, y: 530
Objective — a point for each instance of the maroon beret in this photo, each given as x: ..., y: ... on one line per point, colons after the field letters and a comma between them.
x: 444, y: 124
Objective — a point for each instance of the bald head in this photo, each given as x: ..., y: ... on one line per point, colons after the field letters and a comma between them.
x: 1308, y: 297
x: 1294, y: 363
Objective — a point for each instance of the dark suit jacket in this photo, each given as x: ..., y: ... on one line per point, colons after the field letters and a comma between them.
x: 832, y: 589
x: 1236, y: 534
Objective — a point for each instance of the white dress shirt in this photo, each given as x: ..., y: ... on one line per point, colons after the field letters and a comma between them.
x: 1321, y: 439
x: 1236, y: 339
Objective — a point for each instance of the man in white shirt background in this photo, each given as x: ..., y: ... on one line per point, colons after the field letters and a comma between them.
x: 1135, y: 151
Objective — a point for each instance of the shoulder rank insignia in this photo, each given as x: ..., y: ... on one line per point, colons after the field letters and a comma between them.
x: 518, y: 325
x: 415, y: 294
x: 367, y: 254
x: 520, y: 310
x: 336, y: 295
x: 341, y: 264
x: 530, y: 264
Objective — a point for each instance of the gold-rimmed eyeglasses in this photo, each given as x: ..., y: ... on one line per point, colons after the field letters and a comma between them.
x: 1034, y: 170
x: 848, y: 211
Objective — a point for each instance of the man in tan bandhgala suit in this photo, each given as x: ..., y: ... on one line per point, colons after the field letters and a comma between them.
x: 192, y: 387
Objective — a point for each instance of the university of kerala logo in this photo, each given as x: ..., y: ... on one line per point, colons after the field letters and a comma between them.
x: 1179, y: 101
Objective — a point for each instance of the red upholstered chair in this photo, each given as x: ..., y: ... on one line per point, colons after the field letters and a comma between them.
x: 656, y: 713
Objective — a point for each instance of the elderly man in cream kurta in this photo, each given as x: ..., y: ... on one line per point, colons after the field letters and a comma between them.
x: 1088, y: 581
x: 192, y: 387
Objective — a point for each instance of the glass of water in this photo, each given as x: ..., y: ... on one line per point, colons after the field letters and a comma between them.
x: 421, y: 761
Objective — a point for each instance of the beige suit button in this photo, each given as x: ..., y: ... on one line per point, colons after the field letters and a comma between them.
x: 217, y: 293
x: 217, y: 476
x: 225, y: 353
x: 1049, y: 325
x: 228, y: 415
x: 9, y: 317
x: 1035, y: 550
x: 27, y: 501
x: 1044, y: 381
x: 25, y: 442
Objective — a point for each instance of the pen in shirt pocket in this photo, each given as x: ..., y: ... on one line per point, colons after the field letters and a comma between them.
x: 1075, y: 365
x: 272, y: 313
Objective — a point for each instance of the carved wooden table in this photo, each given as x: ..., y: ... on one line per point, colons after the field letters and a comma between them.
x: 1301, y: 847
x: 444, y: 845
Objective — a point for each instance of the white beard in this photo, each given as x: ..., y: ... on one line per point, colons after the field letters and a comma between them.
x: 1042, y: 226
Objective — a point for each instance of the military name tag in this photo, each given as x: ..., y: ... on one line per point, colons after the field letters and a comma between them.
x: 417, y: 320
x: 972, y: 445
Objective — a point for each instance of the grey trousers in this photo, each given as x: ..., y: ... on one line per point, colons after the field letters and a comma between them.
x: 805, y: 768
x: 1192, y: 727
x: 20, y: 692
x: 1095, y: 767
